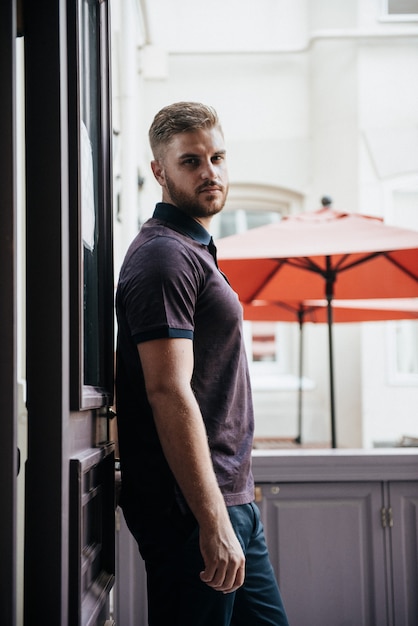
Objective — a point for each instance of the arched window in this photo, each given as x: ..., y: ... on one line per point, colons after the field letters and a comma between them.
x: 251, y: 205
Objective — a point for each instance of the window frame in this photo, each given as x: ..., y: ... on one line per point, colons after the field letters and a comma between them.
x: 393, y: 216
x: 90, y: 396
x: 385, y: 16
x: 396, y: 377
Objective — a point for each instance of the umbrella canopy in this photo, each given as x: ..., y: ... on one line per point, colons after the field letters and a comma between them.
x: 325, y: 253
x: 356, y: 256
x: 315, y: 311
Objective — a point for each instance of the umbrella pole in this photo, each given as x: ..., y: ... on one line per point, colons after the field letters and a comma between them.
x: 300, y: 389
x: 329, y: 296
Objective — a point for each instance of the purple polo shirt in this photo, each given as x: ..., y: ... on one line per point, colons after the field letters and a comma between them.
x: 170, y: 286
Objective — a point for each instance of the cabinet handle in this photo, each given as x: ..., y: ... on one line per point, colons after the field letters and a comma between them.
x: 386, y: 517
x: 390, y: 517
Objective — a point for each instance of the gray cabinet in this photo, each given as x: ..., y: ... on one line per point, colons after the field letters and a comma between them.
x: 328, y: 551
x: 342, y: 531
x: 403, y: 497
x: 345, y: 551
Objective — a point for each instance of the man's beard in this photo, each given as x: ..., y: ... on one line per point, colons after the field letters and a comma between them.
x: 192, y: 203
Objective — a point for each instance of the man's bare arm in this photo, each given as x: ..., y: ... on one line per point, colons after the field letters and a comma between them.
x: 168, y: 367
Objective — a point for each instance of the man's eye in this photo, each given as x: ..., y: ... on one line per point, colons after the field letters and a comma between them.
x: 191, y: 161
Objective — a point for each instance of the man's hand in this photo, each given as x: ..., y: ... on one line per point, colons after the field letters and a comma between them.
x: 224, y: 560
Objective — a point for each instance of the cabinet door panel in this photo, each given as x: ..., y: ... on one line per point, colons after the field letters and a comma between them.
x: 404, y: 537
x: 327, y: 547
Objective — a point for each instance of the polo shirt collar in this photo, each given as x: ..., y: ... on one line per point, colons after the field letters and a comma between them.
x: 171, y: 214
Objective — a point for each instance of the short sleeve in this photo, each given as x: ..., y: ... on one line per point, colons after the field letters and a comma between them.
x: 160, y: 296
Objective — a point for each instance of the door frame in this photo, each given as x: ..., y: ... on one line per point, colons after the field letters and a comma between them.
x: 8, y: 313
x: 70, y: 458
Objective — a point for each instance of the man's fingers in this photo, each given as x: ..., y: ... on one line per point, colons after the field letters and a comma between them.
x: 207, y: 575
x: 235, y: 582
x: 224, y: 580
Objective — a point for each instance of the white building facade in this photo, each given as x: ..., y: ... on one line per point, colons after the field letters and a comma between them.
x: 316, y: 97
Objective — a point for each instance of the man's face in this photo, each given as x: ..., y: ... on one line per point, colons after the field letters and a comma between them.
x: 193, y: 173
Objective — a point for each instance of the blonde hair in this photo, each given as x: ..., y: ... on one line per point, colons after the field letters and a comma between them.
x: 177, y: 118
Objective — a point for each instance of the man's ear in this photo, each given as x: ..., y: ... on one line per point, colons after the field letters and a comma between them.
x: 158, y: 171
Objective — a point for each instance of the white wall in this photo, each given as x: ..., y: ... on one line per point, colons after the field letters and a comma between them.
x: 390, y: 410
x: 388, y: 160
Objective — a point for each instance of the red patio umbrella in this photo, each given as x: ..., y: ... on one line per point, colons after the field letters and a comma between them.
x: 325, y: 253
x: 315, y: 311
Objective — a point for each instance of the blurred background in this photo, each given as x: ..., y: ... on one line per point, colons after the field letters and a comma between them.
x: 316, y: 98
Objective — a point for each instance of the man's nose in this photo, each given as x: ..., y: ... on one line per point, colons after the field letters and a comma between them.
x: 208, y: 170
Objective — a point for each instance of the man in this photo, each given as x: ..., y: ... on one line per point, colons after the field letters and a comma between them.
x: 185, y: 415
